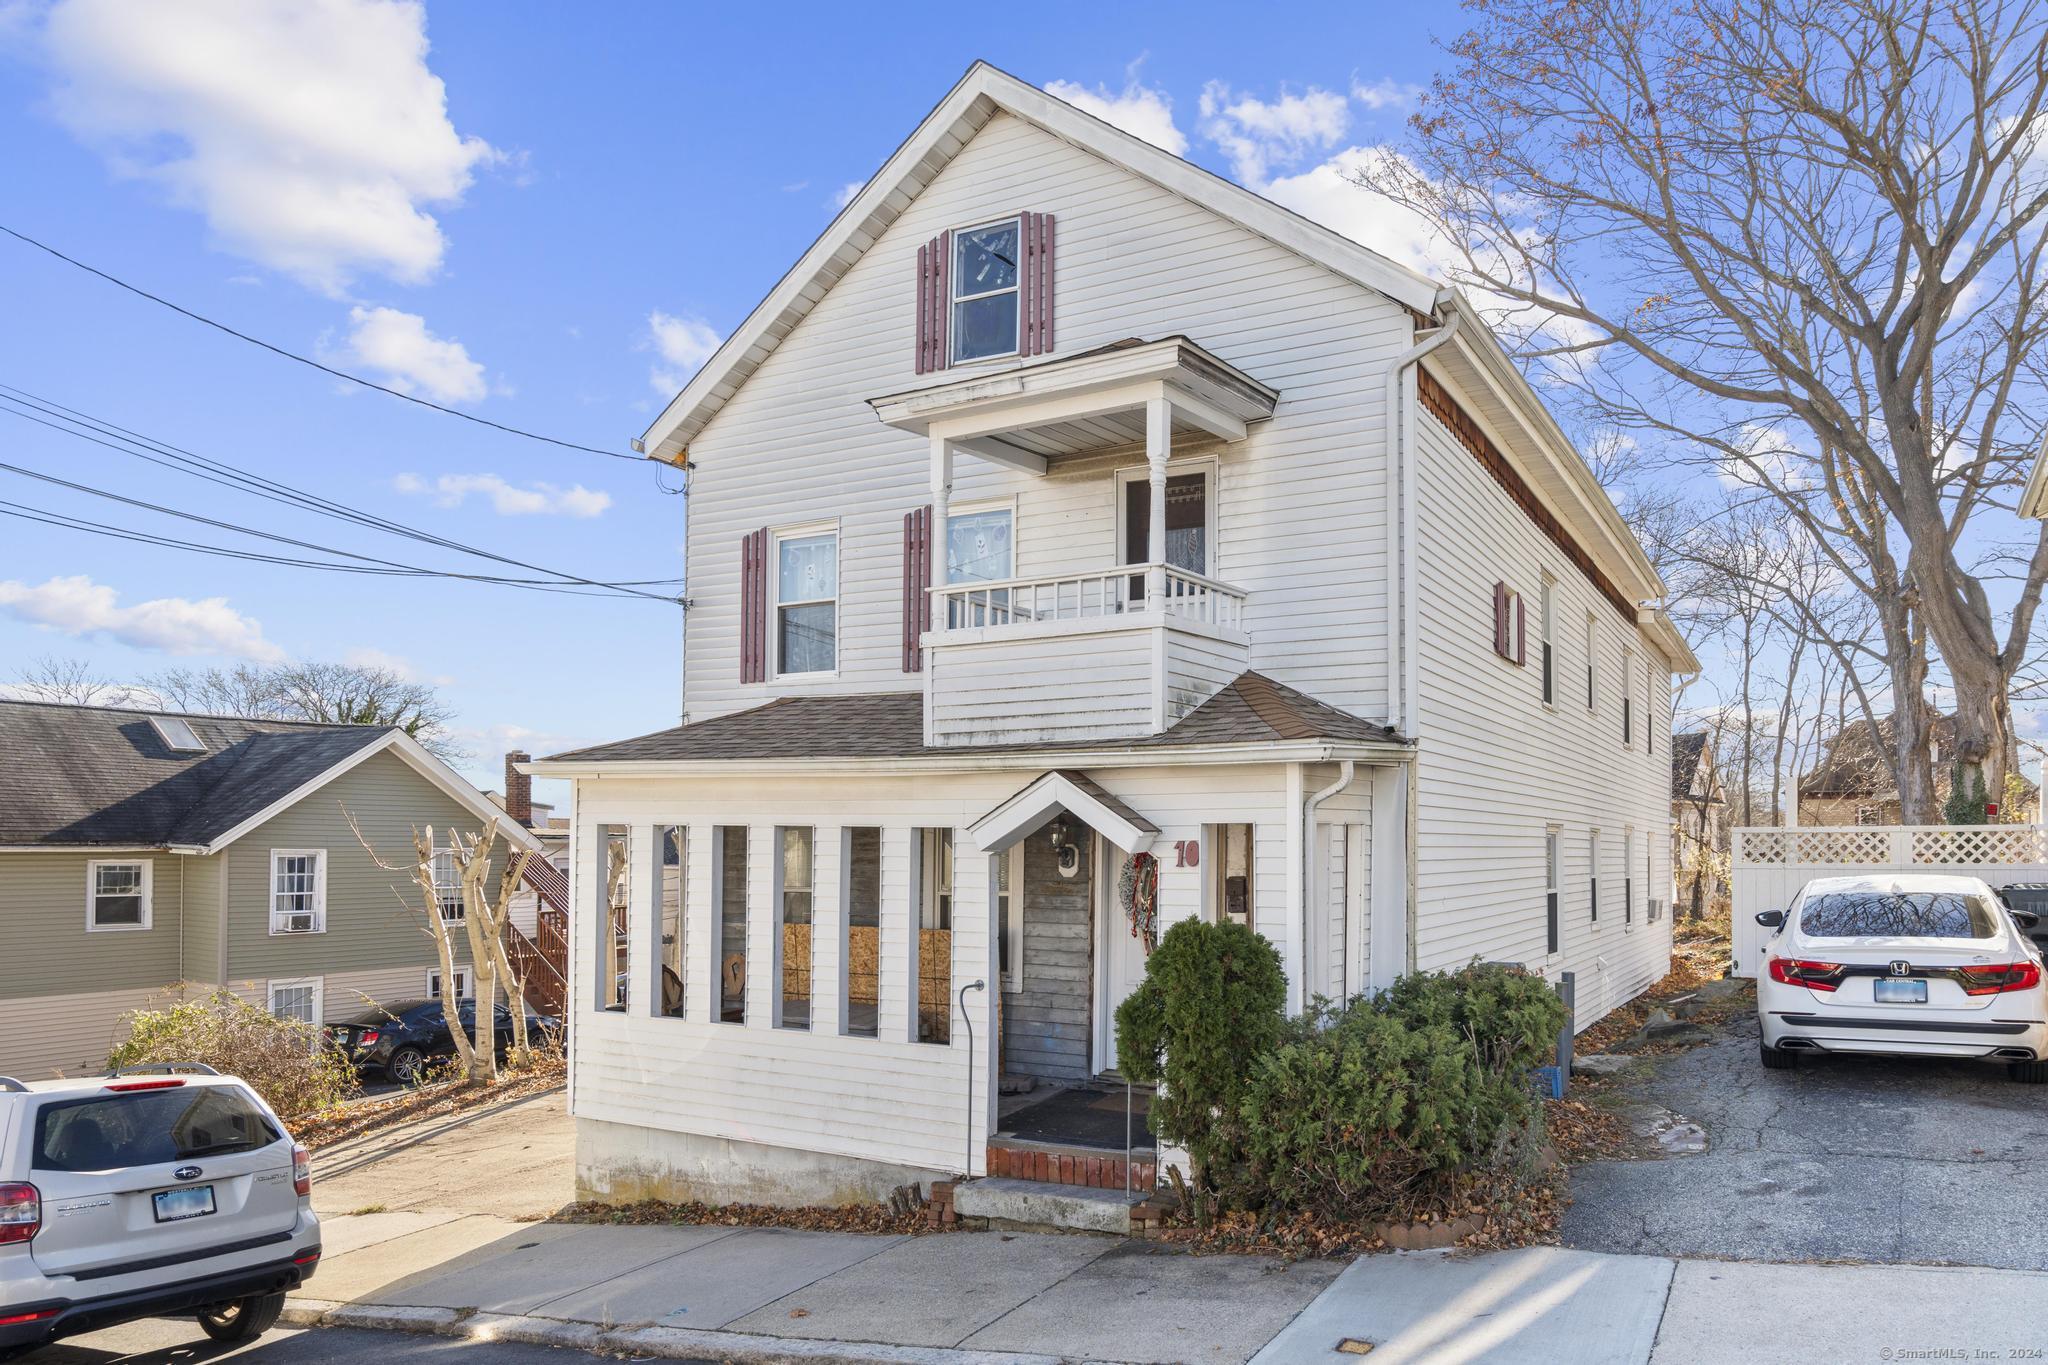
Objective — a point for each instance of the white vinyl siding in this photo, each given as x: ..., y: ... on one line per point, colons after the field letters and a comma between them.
x: 798, y: 440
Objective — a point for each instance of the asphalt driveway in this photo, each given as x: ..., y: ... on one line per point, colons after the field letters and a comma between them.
x: 1845, y: 1158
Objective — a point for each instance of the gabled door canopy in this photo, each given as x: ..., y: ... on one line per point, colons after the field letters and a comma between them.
x: 1073, y: 792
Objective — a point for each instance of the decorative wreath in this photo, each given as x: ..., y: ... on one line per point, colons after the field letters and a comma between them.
x: 1138, y: 889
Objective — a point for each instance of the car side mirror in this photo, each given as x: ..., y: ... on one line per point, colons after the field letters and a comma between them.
x: 1770, y: 919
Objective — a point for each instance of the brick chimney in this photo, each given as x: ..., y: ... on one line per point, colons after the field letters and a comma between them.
x: 518, y: 789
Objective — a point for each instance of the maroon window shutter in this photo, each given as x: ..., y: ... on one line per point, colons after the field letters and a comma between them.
x: 1035, y: 285
x: 754, y: 606
x: 924, y: 308
x: 933, y: 302
x: 1521, y: 631
x: 1500, y: 619
x: 917, y: 576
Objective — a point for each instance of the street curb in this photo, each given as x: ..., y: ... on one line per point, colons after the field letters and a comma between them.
x: 669, y: 1343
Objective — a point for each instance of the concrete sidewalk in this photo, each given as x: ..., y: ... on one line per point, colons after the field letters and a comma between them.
x: 772, y: 1294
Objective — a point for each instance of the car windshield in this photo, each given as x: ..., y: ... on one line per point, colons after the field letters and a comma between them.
x: 149, y: 1127
x: 1897, y: 914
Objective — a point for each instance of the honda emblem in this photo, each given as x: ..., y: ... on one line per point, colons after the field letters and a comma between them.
x: 1901, y: 968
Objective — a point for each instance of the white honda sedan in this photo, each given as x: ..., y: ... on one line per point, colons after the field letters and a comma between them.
x: 1915, y: 965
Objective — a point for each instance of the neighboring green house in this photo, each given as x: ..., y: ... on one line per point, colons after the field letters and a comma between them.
x: 142, y: 853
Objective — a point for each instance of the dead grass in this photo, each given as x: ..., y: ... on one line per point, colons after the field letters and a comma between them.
x: 853, y: 1218
x: 438, y: 1099
x: 1700, y: 952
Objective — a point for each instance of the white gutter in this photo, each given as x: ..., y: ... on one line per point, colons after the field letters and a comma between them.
x: 1028, y: 760
x: 1400, y: 533
x: 1308, y: 862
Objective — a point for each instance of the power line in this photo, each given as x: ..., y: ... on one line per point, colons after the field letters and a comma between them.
x: 55, y: 417
x: 308, y: 360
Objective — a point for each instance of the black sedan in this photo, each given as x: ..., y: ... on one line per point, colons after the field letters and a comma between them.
x: 399, y: 1040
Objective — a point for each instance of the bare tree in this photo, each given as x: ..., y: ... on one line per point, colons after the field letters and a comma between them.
x: 75, y: 681
x: 334, y: 694
x: 1800, y: 241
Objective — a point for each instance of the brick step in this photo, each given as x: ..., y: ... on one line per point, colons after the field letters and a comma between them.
x: 1059, y: 1164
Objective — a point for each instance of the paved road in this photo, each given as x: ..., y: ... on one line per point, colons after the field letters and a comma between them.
x: 1850, y: 1158
x: 182, y: 1343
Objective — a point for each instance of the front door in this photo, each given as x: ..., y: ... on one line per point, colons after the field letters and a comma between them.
x: 1119, y: 954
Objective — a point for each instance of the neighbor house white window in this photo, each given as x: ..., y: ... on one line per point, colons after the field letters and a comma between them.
x: 448, y: 885
x: 296, y: 999
x: 807, y: 601
x: 984, y: 286
x: 298, y: 890
x: 117, y: 895
x: 463, y: 987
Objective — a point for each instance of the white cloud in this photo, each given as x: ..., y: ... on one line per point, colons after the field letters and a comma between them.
x: 843, y: 196
x: 1385, y: 93
x: 367, y: 656
x: 1767, y: 457
x: 76, y: 606
x: 409, y: 357
x: 1259, y: 135
x: 310, y: 133
x: 1142, y: 111
x: 507, y: 499
x: 1329, y: 194
x: 683, y: 344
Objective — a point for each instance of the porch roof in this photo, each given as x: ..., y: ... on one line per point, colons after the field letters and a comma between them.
x: 1250, y: 709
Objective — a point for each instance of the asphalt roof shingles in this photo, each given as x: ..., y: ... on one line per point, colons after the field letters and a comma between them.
x: 1251, y: 709
x: 99, y: 776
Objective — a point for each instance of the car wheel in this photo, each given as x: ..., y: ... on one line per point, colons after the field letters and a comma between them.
x: 405, y: 1064
x: 1777, y: 1058
x: 2028, y: 1073
x: 242, y: 1319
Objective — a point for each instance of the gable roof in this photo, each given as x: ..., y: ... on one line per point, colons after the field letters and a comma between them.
x: 979, y: 96
x: 1686, y: 750
x: 1250, y: 709
x: 103, y: 777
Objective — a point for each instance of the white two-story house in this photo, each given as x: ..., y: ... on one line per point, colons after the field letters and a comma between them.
x: 1065, y: 504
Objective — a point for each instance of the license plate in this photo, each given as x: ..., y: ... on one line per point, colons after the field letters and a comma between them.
x: 1899, y: 992
x: 173, y: 1206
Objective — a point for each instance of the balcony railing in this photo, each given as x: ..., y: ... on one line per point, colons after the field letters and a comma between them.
x: 1086, y: 596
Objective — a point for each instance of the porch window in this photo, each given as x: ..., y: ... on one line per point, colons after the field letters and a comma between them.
x: 731, y: 937
x: 793, y: 858
x: 1230, y: 862
x: 807, y: 602
x: 614, y: 920
x: 984, y: 287
x: 980, y: 548
x: 1187, y: 521
x: 1010, y: 915
x: 673, y: 841
x: 862, y: 1018
x: 935, y: 936
x: 1552, y: 929
x: 117, y: 895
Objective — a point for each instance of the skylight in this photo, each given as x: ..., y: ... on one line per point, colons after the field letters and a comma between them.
x: 177, y: 734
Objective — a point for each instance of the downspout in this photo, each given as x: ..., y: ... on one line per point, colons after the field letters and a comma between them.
x: 1402, y: 670
x: 1308, y: 862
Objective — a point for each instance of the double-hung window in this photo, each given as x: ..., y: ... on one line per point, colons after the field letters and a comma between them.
x: 1549, y: 624
x: 1553, y: 931
x: 807, y: 601
x: 448, y: 885
x: 117, y: 895
x: 981, y: 547
x: 298, y: 890
x: 985, y: 291
x: 1592, y: 651
x: 295, y: 999
x: 1593, y: 876
x: 1628, y: 711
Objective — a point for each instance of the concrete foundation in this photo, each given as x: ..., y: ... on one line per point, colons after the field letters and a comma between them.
x: 621, y: 1163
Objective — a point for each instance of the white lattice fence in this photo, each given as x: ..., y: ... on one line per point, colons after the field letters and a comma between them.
x: 1770, y: 865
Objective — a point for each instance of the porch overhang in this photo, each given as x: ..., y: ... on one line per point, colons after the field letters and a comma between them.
x: 1076, y: 794
x: 1021, y: 417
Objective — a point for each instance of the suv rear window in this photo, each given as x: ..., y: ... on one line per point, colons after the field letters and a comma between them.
x: 148, y: 1127
x: 1897, y: 914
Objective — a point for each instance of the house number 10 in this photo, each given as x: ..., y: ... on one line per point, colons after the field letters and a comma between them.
x: 1188, y: 853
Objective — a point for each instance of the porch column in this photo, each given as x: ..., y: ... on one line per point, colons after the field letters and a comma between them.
x: 828, y: 929
x: 942, y: 497
x: 974, y: 959
x: 643, y: 921
x: 1158, y: 447
x: 764, y: 929
x: 896, y: 972
x: 701, y: 952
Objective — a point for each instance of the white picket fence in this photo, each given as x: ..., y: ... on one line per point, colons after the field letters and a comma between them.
x: 1770, y: 865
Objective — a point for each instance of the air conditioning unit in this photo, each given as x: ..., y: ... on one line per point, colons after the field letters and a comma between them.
x: 299, y: 923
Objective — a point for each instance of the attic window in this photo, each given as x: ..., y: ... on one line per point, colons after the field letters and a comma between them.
x: 985, y: 285
x: 177, y: 735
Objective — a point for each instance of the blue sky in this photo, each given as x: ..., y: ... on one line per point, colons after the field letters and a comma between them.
x: 542, y: 214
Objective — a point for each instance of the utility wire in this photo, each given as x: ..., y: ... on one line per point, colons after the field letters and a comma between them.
x: 126, y: 442
x: 308, y: 360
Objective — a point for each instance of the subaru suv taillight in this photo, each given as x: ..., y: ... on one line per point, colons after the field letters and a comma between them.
x: 21, y: 1213
x: 1815, y: 976
x: 302, y: 1171
x: 2006, y: 976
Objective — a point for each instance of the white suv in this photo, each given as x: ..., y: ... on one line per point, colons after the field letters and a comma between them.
x: 154, y: 1192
